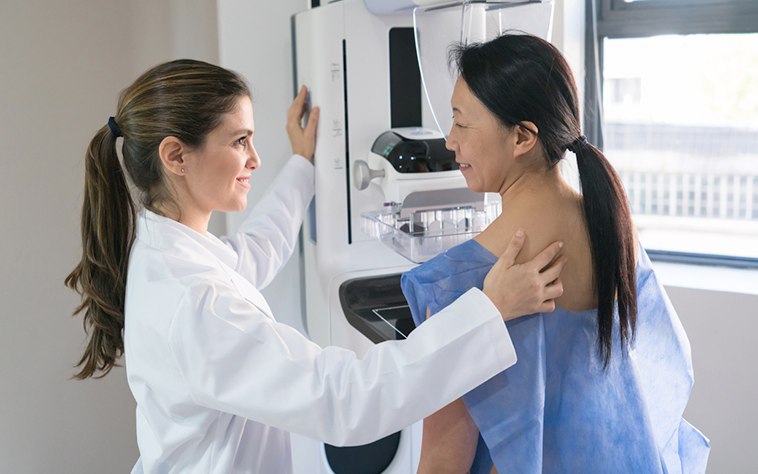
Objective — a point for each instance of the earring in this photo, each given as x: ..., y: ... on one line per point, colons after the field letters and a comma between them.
x: 182, y: 170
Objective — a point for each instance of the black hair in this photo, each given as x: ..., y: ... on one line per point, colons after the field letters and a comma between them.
x: 522, y: 78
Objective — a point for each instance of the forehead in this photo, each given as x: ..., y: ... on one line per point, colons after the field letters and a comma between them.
x: 466, y: 103
x: 463, y: 99
x: 241, y: 116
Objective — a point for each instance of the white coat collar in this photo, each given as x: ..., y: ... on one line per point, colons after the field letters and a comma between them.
x: 161, y: 232
x: 174, y: 238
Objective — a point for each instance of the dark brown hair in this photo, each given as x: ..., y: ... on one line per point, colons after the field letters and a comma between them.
x: 524, y: 78
x: 185, y: 99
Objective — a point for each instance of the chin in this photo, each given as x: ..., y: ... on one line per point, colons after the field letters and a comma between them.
x: 235, y: 207
x: 476, y: 187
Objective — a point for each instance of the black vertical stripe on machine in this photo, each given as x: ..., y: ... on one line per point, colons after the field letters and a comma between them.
x: 347, y: 144
x: 314, y: 3
x: 405, y: 79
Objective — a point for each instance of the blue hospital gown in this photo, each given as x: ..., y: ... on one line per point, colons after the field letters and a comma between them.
x: 557, y: 410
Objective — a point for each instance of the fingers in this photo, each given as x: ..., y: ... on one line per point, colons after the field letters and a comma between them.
x: 547, y: 307
x: 553, y: 290
x: 546, y: 256
x: 550, y: 293
x: 554, y: 271
x: 310, y: 129
x: 513, y: 249
x: 297, y: 108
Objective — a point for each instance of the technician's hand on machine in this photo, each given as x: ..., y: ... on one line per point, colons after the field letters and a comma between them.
x: 508, y: 283
x: 303, y: 140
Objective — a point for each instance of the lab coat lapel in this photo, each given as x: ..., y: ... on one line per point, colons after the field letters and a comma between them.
x: 173, y: 237
x: 247, y: 290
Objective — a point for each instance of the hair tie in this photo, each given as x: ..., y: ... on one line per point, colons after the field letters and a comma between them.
x: 577, y: 144
x: 114, y: 128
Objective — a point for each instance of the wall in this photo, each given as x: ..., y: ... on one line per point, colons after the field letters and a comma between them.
x: 721, y: 327
x: 63, y: 65
x: 255, y: 40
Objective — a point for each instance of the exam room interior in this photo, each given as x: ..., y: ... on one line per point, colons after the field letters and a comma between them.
x: 62, y: 65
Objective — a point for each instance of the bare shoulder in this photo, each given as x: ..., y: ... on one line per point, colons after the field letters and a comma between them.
x: 539, y: 233
x: 636, y: 237
x: 545, y: 220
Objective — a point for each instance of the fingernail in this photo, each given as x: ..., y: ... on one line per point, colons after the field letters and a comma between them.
x: 520, y: 233
x: 560, y: 245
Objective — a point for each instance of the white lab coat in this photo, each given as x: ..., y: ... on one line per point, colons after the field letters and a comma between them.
x: 219, y: 383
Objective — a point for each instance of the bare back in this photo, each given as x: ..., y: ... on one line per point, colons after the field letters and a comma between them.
x: 548, y: 214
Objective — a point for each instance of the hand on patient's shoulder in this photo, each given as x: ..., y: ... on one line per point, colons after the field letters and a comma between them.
x: 528, y: 288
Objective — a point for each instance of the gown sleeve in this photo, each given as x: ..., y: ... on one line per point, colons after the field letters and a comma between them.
x: 267, y: 238
x: 235, y: 359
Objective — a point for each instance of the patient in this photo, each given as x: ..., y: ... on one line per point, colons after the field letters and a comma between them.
x: 601, y: 383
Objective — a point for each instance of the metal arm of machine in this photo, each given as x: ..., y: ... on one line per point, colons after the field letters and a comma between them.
x: 362, y: 174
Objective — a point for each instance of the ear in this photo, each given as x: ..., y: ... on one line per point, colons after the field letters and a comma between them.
x: 526, y: 138
x: 172, y: 151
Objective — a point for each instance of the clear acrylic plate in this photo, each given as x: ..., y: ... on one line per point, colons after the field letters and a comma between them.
x: 427, y: 233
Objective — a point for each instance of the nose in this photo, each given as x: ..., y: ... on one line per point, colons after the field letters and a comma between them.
x: 253, y: 161
x: 451, y: 143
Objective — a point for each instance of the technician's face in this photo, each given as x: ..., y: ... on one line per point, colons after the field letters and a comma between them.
x: 221, y: 167
x: 479, y: 142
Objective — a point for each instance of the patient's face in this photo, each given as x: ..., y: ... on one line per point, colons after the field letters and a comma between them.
x: 481, y: 145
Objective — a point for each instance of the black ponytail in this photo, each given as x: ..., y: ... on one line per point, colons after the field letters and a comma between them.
x: 522, y: 78
x: 609, y: 225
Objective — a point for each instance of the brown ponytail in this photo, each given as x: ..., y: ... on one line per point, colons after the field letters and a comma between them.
x: 523, y: 78
x: 185, y: 99
x: 107, y: 235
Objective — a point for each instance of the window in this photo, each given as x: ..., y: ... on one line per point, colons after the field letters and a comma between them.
x: 679, y: 95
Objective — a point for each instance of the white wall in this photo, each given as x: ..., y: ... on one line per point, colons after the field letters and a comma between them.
x: 722, y: 328
x: 255, y: 40
x: 62, y: 65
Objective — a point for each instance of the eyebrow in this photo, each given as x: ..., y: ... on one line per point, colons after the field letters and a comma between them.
x: 246, y: 131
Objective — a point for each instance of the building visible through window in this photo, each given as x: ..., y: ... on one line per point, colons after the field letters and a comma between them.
x: 681, y: 128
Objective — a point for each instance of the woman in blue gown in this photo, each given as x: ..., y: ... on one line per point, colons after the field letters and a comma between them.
x: 600, y: 384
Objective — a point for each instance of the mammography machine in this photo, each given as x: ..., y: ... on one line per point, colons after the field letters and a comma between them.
x: 388, y: 193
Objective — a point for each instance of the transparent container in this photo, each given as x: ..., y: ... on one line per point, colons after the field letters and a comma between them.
x: 427, y: 233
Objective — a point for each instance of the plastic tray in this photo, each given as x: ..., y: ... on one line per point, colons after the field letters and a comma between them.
x: 427, y: 233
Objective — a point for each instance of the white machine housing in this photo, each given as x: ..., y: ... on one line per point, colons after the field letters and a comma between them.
x: 342, y: 54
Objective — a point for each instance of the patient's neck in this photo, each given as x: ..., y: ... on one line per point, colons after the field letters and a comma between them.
x: 534, y: 184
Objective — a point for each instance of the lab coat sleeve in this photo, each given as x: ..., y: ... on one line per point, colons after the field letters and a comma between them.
x: 236, y: 360
x: 266, y: 240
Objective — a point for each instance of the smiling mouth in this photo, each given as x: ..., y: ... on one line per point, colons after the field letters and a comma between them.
x: 463, y: 165
x: 243, y: 180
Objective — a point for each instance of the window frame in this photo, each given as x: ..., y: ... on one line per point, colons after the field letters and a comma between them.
x: 619, y: 19
x: 645, y: 18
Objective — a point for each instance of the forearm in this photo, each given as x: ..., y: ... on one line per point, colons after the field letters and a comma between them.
x: 267, y: 238
x: 449, y: 441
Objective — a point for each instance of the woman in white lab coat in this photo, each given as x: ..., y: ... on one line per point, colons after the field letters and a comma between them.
x: 218, y: 382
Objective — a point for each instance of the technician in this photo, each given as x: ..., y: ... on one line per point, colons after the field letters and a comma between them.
x: 218, y: 382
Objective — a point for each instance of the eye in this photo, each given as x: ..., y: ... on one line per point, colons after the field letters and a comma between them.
x: 241, y: 141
